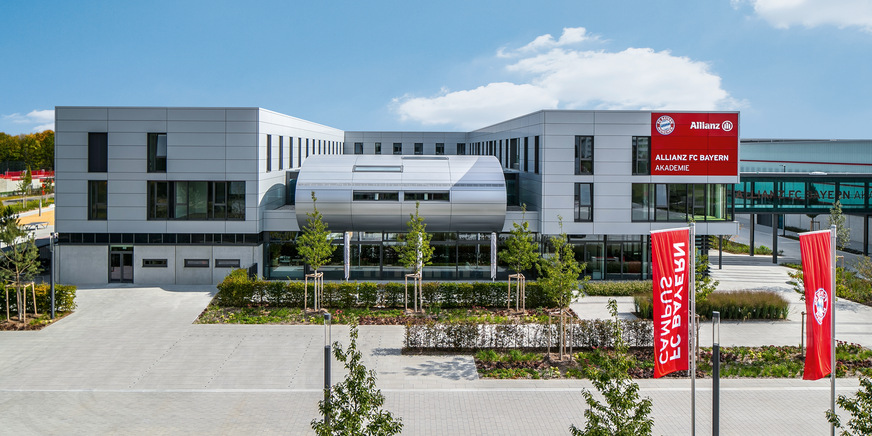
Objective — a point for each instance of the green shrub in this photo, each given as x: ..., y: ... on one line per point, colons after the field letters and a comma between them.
x: 739, y: 305
x: 65, y: 299
x: 235, y: 290
x: 367, y: 293
x: 618, y: 289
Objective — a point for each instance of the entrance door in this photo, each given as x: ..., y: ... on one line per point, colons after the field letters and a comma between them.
x: 121, y: 264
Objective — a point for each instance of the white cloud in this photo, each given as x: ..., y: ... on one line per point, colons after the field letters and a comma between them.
x: 40, y: 119
x: 556, y: 76
x: 812, y: 13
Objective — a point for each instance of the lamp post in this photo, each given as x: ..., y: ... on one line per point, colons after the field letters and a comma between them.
x: 51, y: 274
x: 716, y: 373
x: 327, y: 350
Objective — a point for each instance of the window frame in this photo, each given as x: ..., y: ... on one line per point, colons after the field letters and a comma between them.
x: 358, y: 148
x: 584, y: 154
x: 98, y: 152
x: 637, y: 161
x: 587, y: 207
x: 98, y: 200
x: 398, y: 148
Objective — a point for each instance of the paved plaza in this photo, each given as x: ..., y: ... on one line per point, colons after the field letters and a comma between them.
x: 131, y: 361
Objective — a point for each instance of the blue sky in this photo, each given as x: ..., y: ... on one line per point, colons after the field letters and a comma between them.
x: 794, y: 68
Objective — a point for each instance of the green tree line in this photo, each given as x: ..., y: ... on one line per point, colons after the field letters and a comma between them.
x: 34, y: 151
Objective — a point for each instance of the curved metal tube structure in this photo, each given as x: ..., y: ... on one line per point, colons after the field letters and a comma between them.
x: 378, y: 193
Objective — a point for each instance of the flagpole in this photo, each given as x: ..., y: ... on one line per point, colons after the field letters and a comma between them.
x: 833, y: 325
x: 692, y: 336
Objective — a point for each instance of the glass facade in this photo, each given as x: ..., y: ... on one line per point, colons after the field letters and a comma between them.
x: 681, y: 202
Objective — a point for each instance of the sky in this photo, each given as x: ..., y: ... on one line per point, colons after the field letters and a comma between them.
x: 793, y: 68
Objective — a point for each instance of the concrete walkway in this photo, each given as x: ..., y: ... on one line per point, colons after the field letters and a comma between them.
x: 130, y: 361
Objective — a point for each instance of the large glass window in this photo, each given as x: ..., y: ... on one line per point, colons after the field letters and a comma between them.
x: 378, y: 148
x: 680, y: 202
x: 584, y: 155
x: 358, y: 148
x: 98, y: 152
x: 187, y: 200
x: 513, y: 154
x: 97, y: 199
x: 642, y: 155
x: 461, y: 148
x: 398, y: 148
x: 583, y: 202
x: 157, y: 152
x: 419, y: 148
x: 440, y: 148
x: 375, y: 196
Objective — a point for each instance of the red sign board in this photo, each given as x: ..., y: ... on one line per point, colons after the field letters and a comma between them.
x: 694, y: 144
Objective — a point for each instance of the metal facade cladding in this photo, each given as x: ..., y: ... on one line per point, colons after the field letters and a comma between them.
x: 695, y: 144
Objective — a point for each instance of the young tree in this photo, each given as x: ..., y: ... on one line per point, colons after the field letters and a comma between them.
x: 705, y: 284
x: 24, y: 187
x: 314, y: 245
x: 416, y: 250
x: 355, y: 406
x: 624, y: 412
x: 560, y: 277
x: 19, y: 263
x: 843, y: 232
x: 521, y: 251
x: 860, y: 408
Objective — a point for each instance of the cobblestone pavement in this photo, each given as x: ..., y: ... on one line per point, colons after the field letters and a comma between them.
x: 130, y: 361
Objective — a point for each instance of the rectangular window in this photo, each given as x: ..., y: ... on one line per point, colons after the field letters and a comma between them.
x: 154, y: 263
x: 290, y: 152
x: 378, y: 148
x: 307, y: 148
x: 281, y: 152
x: 642, y: 155
x: 513, y: 154
x: 526, y: 154
x: 319, y: 146
x: 157, y: 152
x: 226, y: 263
x: 500, y: 152
x: 584, y: 155
x: 461, y: 148
x: 158, y: 200
x: 97, y: 196
x: 300, y: 151
x: 269, y: 153
x: 679, y: 202
x: 426, y: 196
x: 186, y: 200
x: 398, y: 148
x: 358, y: 148
x: 98, y: 152
x: 419, y: 148
x: 536, y: 155
x: 440, y: 148
x: 196, y: 263
x: 583, y: 202
x: 375, y: 196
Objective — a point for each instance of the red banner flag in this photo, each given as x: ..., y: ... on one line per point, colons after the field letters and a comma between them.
x: 817, y: 270
x: 670, y: 256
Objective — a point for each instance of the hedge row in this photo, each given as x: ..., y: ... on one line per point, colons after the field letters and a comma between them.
x: 471, y: 336
x: 739, y: 305
x: 238, y: 290
x: 65, y: 299
x: 619, y: 289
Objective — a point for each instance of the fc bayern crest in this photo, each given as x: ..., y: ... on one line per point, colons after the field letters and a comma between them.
x: 726, y: 126
x: 820, y: 305
x: 665, y: 125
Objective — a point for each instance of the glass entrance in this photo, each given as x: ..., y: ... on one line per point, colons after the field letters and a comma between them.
x: 120, y: 264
